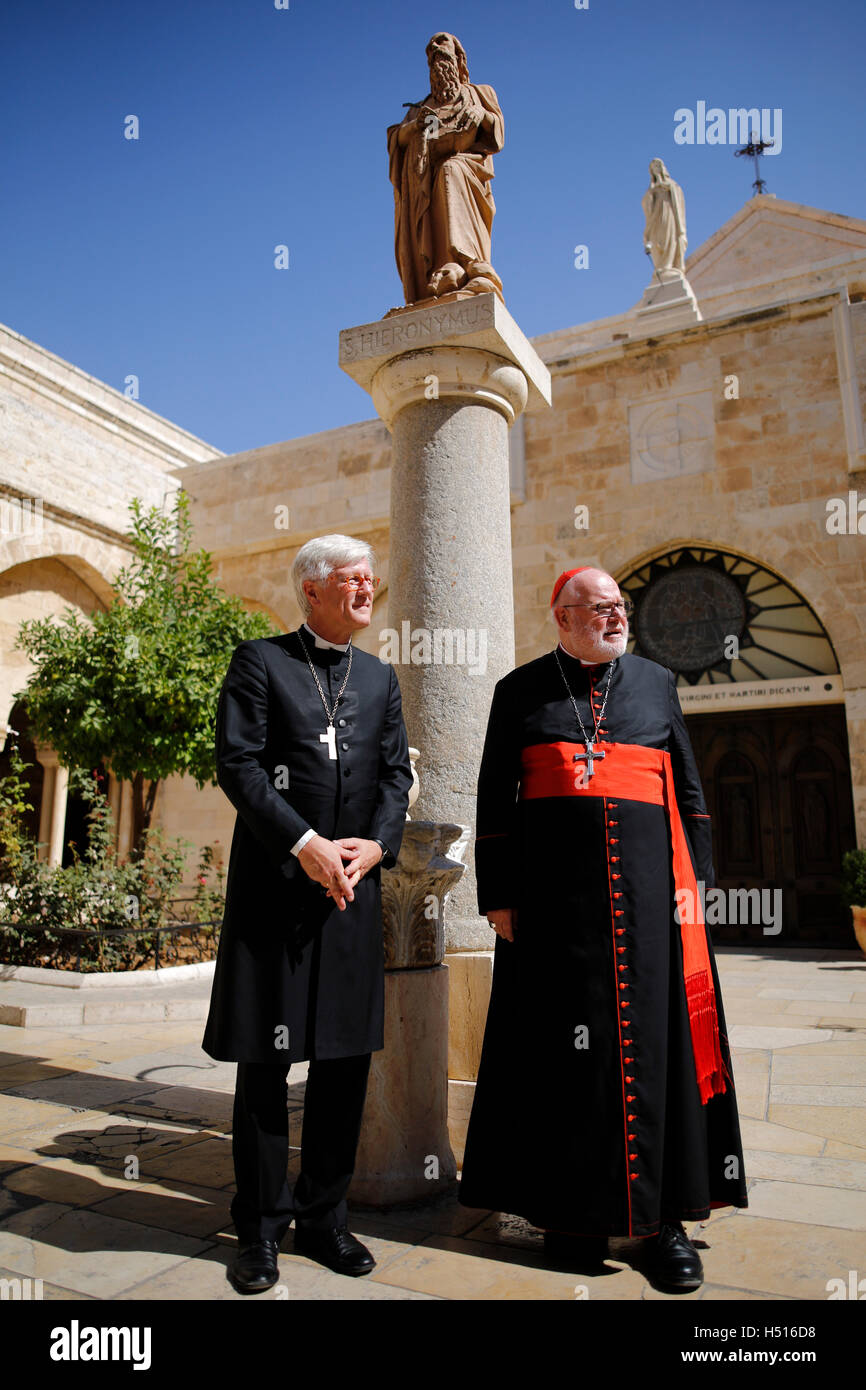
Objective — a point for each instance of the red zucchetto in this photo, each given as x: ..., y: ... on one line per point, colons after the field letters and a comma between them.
x: 563, y: 580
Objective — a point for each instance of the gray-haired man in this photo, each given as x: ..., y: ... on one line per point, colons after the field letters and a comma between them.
x: 312, y: 752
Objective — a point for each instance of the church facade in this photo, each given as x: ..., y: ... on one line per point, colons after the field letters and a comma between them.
x: 712, y: 466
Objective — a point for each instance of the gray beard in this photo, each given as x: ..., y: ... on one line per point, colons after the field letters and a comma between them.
x: 603, y: 649
x: 444, y: 80
x: 607, y: 649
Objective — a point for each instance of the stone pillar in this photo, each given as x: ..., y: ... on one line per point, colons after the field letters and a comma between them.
x: 50, y: 770
x: 120, y: 801
x: 52, y: 808
x: 124, y: 819
x: 58, y: 815
x: 448, y: 380
x: 404, y: 1154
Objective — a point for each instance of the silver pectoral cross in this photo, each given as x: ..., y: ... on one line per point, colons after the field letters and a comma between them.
x: 588, y: 757
x: 330, y: 737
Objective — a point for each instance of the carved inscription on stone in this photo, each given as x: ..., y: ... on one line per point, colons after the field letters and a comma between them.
x: 415, y: 330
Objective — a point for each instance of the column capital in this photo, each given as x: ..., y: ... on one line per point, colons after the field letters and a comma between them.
x: 45, y: 754
x: 490, y: 353
x: 447, y: 374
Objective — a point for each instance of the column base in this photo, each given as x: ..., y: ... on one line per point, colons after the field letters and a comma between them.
x: 404, y: 1155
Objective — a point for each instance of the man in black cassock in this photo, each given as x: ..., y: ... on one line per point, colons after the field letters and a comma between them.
x: 312, y: 752
x: 605, y: 1104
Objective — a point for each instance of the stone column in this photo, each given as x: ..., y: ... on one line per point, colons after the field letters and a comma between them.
x: 120, y: 801
x: 448, y: 380
x: 404, y: 1154
x: 58, y: 815
x: 52, y: 808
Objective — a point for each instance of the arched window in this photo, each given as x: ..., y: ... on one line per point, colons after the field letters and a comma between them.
x: 714, y: 617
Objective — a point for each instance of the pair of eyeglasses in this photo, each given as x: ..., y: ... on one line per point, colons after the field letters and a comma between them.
x: 604, y: 610
x: 354, y: 581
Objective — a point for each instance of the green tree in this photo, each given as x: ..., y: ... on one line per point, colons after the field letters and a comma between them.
x: 135, y: 686
x: 14, y: 791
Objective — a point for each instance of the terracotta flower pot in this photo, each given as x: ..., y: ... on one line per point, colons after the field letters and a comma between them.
x: 859, y: 915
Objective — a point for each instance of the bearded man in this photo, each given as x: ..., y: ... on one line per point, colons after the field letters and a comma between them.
x: 605, y: 1035
x: 440, y: 165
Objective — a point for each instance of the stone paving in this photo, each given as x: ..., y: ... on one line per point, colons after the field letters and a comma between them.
x: 81, y: 1104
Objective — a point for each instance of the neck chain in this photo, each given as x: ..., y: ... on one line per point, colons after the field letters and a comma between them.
x: 328, y: 736
x: 591, y: 752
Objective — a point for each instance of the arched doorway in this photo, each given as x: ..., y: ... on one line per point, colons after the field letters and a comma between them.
x: 18, y: 736
x: 759, y: 684
x: 36, y: 820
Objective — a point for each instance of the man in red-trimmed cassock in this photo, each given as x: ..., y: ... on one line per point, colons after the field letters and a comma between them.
x: 605, y: 1103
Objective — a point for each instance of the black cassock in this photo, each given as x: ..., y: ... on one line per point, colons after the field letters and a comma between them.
x: 288, y: 958
x: 587, y: 1114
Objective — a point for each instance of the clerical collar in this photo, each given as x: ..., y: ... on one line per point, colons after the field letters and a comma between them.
x: 323, y: 642
x: 580, y: 658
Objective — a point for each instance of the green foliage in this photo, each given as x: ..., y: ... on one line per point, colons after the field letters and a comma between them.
x: 854, y: 878
x: 135, y: 686
x: 209, y: 899
x: 14, y: 790
x: 116, y: 907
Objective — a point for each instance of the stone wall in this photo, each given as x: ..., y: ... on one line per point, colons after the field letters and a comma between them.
x: 641, y: 434
x: 751, y: 474
x: 78, y: 451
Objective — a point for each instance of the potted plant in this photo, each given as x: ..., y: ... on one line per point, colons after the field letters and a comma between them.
x: 854, y: 891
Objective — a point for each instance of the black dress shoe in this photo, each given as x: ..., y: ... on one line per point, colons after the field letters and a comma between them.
x: 674, y: 1260
x: 335, y: 1247
x: 580, y: 1252
x: 255, y: 1267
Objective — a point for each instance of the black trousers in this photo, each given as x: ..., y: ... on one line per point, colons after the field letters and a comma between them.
x: 264, y: 1206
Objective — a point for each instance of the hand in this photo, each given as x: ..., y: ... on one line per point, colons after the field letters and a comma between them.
x: 503, y: 921
x: 362, y: 855
x: 322, y: 861
x: 472, y: 117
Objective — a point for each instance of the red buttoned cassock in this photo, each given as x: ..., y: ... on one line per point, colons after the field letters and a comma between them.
x: 605, y: 1103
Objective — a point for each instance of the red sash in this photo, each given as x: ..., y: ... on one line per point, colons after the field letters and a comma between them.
x: 635, y: 773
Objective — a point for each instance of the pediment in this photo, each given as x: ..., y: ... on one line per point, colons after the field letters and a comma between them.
x: 769, y: 238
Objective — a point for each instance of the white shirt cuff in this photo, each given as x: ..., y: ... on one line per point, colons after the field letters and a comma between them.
x: 299, y: 844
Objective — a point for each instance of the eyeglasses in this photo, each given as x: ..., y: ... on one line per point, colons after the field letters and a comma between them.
x: 354, y: 581
x: 604, y: 610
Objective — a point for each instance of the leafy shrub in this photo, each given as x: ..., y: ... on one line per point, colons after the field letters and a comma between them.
x: 854, y: 878
x: 100, y: 912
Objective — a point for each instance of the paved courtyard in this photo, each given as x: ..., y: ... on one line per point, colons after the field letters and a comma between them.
x: 116, y: 1170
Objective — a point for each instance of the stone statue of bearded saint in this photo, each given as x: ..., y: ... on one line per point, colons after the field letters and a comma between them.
x: 665, y: 212
x: 440, y: 163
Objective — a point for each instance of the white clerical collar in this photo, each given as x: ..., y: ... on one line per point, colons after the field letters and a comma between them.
x: 580, y: 658
x: 323, y: 642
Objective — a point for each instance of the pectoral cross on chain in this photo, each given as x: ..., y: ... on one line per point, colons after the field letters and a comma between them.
x: 330, y: 734
x: 330, y: 737
x: 588, y: 757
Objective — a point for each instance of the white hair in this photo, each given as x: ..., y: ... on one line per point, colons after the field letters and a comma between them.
x: 320, y: 556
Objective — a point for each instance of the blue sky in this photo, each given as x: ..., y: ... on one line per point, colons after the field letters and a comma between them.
x: 261, y: 126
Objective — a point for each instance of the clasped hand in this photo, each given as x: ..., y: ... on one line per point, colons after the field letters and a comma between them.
x: 503, y: 921
x: 322, y: 861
